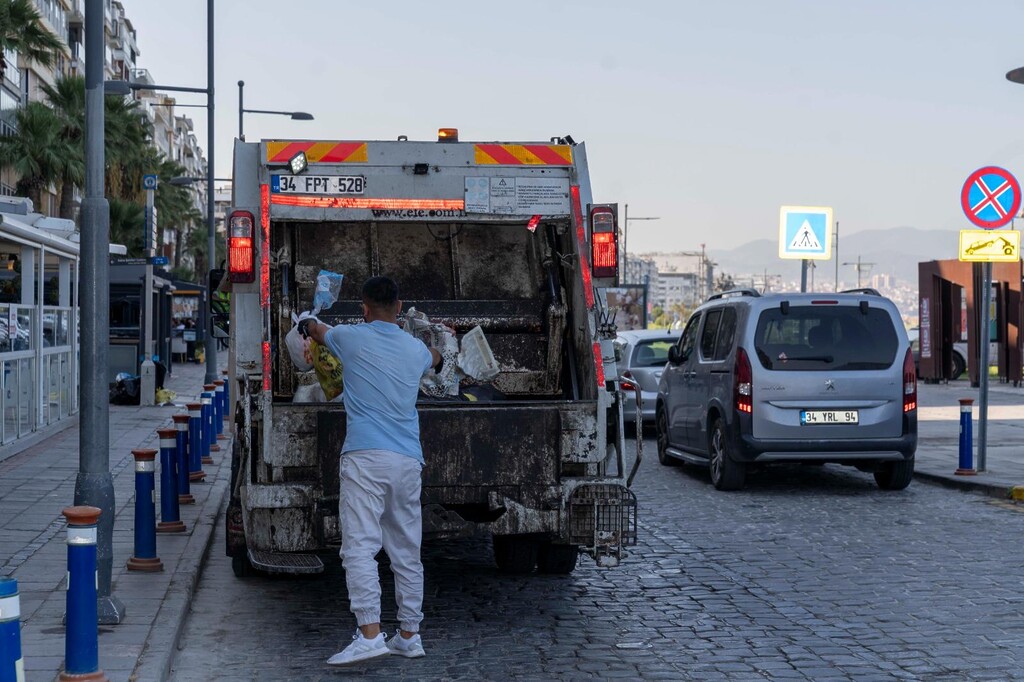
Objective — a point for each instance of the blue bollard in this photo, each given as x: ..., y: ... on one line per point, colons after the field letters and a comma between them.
x: 181, y: 459
x: 196, y: 442
x: 208, y: 422
x: 170, y: 513
x: 218, y: 409
x: 12, y: 667
x: 966, y: 439
x: 144, y: 558
x: 81, y: 641
x: 226, y: 411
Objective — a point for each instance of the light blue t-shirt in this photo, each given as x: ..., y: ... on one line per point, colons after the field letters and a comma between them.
x: 382, y: 369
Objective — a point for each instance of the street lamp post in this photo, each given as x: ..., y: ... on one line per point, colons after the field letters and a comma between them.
x: 124, y: 88
x: 295, y: 115
x: 625, y: 234
x: 94, y: 485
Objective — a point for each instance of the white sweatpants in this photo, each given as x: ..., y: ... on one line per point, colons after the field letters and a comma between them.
x: 380, y: 507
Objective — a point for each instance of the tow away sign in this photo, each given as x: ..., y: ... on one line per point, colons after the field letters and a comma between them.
x: 990, y: 246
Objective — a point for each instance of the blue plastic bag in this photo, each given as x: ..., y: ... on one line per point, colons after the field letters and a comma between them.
x: 328, y: 287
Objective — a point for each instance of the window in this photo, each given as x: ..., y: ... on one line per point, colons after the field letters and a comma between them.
x: 830, y: 337
x: 653, y: 353
x: 726, y: 334
x: 13, y: 73
x: 707, y: 339
x: 688, y: 340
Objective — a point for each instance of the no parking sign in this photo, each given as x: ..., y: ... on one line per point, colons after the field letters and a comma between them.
x: 990, y: 197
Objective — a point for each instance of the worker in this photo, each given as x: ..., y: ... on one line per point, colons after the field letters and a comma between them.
x: 381, y: 461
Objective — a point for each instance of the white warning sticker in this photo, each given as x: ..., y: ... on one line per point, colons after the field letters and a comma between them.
x: 507, y: 195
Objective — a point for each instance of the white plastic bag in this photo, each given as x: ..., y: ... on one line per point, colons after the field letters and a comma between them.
x: 437, y: 336
x: 298, y: 347
x: 310, y: 393
x: 476, y: 359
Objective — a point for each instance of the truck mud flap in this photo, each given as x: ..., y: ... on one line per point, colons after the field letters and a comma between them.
x: 279, y: 562
x: 603, y: 520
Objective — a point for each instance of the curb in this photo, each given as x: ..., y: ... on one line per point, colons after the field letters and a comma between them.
x: 994, y: 490
x: 155, y: 661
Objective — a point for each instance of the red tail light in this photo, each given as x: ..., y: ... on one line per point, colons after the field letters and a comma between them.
x: 624, y: 385
x: 604, y: 242
x: 241, y: 261
x: 909, y: 383
x: 744, y: 387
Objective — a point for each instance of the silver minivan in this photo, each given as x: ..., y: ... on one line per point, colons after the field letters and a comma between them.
x: 791, y: 377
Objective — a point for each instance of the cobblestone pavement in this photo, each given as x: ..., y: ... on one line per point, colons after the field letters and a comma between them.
x: 811, y: 573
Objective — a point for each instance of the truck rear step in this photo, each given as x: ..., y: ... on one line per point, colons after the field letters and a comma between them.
x: 278, y: 562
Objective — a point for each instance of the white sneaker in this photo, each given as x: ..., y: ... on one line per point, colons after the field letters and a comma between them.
x: 361, y: 649
x: 410, y: 648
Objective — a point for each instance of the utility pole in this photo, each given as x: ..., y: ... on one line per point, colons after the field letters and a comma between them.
x: 625, y: 234
x: 94, y: 485
x: 211, y: 219
x: 861, y: 267
x: 836, y: 237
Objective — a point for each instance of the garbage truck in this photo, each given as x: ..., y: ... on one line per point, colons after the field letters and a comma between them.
x: 498, y: 235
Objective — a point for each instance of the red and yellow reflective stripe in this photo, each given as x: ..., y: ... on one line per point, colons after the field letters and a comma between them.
x: 317, y: 152
x: 523, y: 154
x: 365, y: 202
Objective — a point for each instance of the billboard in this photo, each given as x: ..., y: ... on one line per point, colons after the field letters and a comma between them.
x: 627, y: 306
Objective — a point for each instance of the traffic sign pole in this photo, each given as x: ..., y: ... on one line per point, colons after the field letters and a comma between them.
x: 147, y: 382
x: 990, y: 198
x: 983, y: 369
x: 803, y: 275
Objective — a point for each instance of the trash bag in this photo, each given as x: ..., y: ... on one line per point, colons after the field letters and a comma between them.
x: 165, y: 396
x: 310, y: 393
x: 475, y: 358
x: 446, y: 382
x: 329, y: 370
x: 125, y: 390
x: 328, y: 287
x: 298, y: 347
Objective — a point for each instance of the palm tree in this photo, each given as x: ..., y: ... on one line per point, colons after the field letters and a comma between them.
x: 37, y: 152
x: 68, y: 100
x: 21, y: 29
x: 127, y: 225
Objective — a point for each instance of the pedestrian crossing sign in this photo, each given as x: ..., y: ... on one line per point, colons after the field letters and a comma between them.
x: 805, y: 232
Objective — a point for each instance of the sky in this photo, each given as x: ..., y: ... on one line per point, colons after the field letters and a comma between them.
x: 707, y: 115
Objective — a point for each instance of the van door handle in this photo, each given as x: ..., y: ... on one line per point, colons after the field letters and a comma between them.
x: 691, y: 375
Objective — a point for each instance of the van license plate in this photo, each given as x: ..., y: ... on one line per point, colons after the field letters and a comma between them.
x: 816, y: 417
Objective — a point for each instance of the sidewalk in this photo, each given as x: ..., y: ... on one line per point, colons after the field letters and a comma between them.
x: 938, y: 445
x: 36, y: 484
x: 39, y: 482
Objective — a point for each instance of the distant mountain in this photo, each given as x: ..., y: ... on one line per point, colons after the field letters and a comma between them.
x: 894, y: 252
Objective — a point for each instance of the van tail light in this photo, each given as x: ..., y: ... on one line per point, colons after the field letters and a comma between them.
x: 604, y: 243
x: 624, y: 385
x: 241, y: 254
x: 909, y: 383
x: 743, y: 391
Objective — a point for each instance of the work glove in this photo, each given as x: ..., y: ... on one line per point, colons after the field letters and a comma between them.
x: 306, y: 320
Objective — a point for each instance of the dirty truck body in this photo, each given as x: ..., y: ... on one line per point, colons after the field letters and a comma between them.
x: 536, y: 463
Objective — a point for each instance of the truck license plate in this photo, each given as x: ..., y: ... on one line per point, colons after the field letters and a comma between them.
x: 317, y: 184
x: 829, y: 417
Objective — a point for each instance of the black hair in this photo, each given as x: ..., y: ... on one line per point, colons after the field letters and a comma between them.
x: 380, y: 292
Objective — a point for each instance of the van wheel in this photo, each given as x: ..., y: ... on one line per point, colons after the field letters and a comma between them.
x: 726, y: 473
x: 555, y: 559
x: 515, y: 553
x: 958, y: 366
x: 661, y: 425
x: 895, y: 475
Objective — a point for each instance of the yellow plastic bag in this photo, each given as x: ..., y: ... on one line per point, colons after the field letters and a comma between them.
x: 328, y: 370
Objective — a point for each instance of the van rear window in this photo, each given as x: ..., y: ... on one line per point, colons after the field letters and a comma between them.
x: 834, y: 337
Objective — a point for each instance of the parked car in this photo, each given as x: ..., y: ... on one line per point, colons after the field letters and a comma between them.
x: 641, y: 355
x: 958, y: 356
x: 790, y: 377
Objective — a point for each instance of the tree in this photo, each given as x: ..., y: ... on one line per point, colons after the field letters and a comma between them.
x: 127, y: 225
x: 37, y: 152
x: 67, y: 97
x: 22, y: 30
x: 724, y: 282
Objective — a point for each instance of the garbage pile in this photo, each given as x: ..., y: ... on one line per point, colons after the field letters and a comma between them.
x: 472, y: 359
